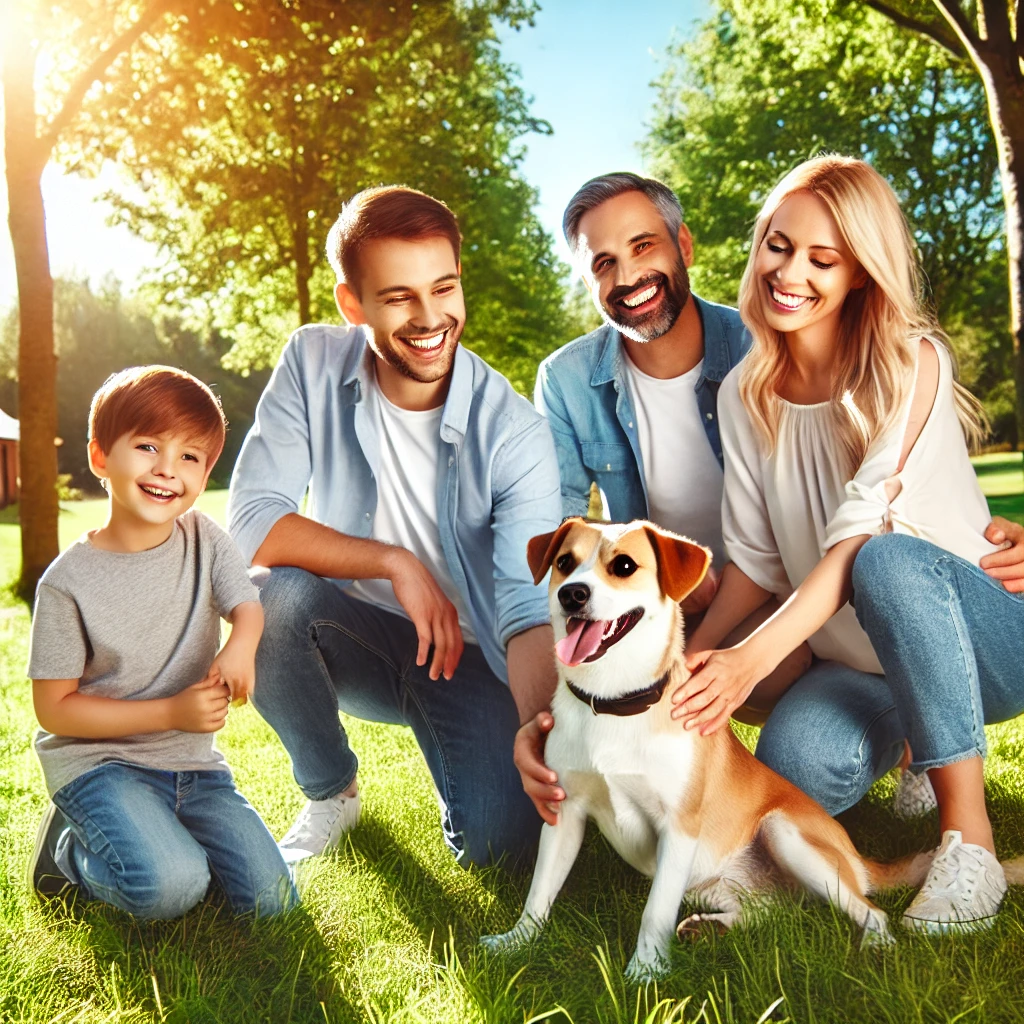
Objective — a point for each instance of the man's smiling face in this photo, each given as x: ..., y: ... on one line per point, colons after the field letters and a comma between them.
x: 635, y: 267
x: 409, y: 295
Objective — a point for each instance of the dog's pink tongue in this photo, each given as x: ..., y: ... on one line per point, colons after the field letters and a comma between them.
x: 581, y: 641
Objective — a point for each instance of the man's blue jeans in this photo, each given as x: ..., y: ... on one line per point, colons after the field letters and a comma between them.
x: 322, y: 650
x: 951, y: 642
x: 148, y: 841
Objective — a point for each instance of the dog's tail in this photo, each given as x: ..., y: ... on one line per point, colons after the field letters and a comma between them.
x: 909, y: 870
x: 1014, y: 871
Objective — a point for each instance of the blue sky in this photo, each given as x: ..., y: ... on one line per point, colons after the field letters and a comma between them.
x: 588, y: 64
x: 589, y: 67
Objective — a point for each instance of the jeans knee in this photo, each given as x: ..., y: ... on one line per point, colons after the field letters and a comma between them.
x: 168, y: 891
x: 290, y: 598
x: 826, y: 772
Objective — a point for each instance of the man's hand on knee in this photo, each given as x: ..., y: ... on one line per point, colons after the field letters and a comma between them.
x: 539, y: 781
x: 434, y: 616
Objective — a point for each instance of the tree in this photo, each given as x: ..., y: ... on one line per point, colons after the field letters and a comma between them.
x: 244, y: 171
x: 767, y: 84
x: 91, y: 40
x: 985, y: 36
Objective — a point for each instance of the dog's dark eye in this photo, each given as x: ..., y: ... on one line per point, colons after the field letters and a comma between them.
x: 565, y: 563
x: 623, y: 565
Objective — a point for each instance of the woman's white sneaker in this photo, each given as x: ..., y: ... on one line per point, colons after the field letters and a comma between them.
x: 963, y: 890
x: 914, y: 795
x: 320, y: 827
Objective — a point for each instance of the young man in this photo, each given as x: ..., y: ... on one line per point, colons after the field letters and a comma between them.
x: 633, y: 408
x: 427, y: 476
x: 127, y: 680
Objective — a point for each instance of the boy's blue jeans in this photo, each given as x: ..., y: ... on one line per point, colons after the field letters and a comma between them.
x: 322, y: 650
x: 951, y: 642
x: 148, y: 842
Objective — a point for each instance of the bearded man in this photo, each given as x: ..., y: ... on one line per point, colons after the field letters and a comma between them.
x: 427, y: 475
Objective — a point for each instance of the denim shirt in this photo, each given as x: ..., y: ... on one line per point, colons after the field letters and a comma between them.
x: 497, y: 480
x: 582, y: 391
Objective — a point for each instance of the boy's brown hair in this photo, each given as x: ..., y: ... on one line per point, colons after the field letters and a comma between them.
x: 157, y: 400
x: 388, y: 211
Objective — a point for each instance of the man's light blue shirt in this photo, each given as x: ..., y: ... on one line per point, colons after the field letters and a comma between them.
x: 497, y: 481
x: 582, y: 392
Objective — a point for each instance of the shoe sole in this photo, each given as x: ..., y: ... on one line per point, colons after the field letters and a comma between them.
x: 926, y: 927
x: 47, y: 880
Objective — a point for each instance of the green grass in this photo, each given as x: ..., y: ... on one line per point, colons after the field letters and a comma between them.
x: 389, y: 926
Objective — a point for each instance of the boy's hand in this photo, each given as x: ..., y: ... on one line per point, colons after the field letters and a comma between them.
x: 202, y: 707
x: 237, y: 669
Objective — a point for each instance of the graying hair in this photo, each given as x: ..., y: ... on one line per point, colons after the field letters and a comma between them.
x: 607, y: 186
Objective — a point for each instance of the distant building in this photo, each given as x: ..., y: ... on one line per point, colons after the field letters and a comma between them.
x: 9, y: 435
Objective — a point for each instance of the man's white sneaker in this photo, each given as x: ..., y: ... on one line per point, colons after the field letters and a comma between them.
x: 914, y: 795
x: 963, y: 890
x: 320, y: 826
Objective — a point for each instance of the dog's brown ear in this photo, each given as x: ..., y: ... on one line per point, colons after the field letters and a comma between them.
x: 681, y: 563
x: 540, y: 550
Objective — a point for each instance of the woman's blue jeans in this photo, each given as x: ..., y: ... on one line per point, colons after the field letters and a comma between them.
x: 148, y: 842
x: 951, y: 642
x: 323, y: 650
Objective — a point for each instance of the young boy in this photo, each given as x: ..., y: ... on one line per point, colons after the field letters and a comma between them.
x: 128, y: 683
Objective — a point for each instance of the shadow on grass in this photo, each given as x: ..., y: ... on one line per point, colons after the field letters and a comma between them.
x: 209, y: 966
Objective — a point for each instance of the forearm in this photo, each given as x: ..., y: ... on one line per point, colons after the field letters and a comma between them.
x: 736, y: 598
x: 87, y: 717
x: 826, y: 589
x: 299, y: 541
x: 531, y: 670
x: 246, y: 626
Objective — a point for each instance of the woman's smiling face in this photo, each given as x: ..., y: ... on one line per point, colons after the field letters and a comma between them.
x: 804, y: 267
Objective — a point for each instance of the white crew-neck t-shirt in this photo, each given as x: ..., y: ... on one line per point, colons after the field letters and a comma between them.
x: 684, y: 479
x: 407, y: 500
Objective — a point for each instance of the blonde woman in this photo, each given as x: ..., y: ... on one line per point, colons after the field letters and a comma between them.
x: 847, y: 477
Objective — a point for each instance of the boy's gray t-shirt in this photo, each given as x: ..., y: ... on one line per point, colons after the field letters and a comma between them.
x: 135, y: 626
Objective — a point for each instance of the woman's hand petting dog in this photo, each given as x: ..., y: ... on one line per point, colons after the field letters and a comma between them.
x: 539, y: 781
x: 721, y: 682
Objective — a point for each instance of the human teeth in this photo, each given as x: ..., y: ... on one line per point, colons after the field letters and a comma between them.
x: 430, y: 342
x: 643, y: 297
x: 158, y: 492
x: 789, y: 301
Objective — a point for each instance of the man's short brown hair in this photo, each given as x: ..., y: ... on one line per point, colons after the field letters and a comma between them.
x: 157, y: 400
x: 388, y: 211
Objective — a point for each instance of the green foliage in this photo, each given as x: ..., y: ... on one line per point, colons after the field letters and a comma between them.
x: 245, y: 129
x: 99, y: 334
x: 768, y: 83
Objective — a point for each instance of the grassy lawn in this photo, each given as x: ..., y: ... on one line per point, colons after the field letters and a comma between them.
x: 389, y: 926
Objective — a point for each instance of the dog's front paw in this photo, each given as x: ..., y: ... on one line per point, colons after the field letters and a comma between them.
x: 877, y: 938
x: 650, y: 967
x: 509, y: 941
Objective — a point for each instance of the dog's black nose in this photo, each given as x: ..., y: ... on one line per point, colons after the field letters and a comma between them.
x: 573, y: 596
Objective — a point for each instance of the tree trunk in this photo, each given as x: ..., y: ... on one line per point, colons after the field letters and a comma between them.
x: 1004, y: 90
x: 37, y: 361
x: 303, y: 271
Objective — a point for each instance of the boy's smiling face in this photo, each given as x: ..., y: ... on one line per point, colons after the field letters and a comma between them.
x: 151, y: 478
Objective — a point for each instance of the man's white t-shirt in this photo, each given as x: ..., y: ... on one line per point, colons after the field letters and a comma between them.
x: 407, y: 500
x: 684, y: 479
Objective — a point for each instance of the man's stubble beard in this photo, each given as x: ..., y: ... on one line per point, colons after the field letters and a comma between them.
x: 651, y: 326
x: 393, y: 355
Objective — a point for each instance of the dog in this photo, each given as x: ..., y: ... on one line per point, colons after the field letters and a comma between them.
x: 692, y: 812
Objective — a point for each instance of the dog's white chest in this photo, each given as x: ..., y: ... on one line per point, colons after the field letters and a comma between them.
x: 628, y: 778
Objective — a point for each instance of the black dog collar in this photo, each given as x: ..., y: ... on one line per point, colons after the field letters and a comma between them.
x: 631, y: 704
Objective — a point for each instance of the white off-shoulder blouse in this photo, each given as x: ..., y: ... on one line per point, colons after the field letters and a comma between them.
x: 782, y: 513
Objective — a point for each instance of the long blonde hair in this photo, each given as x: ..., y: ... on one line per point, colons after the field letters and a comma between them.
x: 881, y: 323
